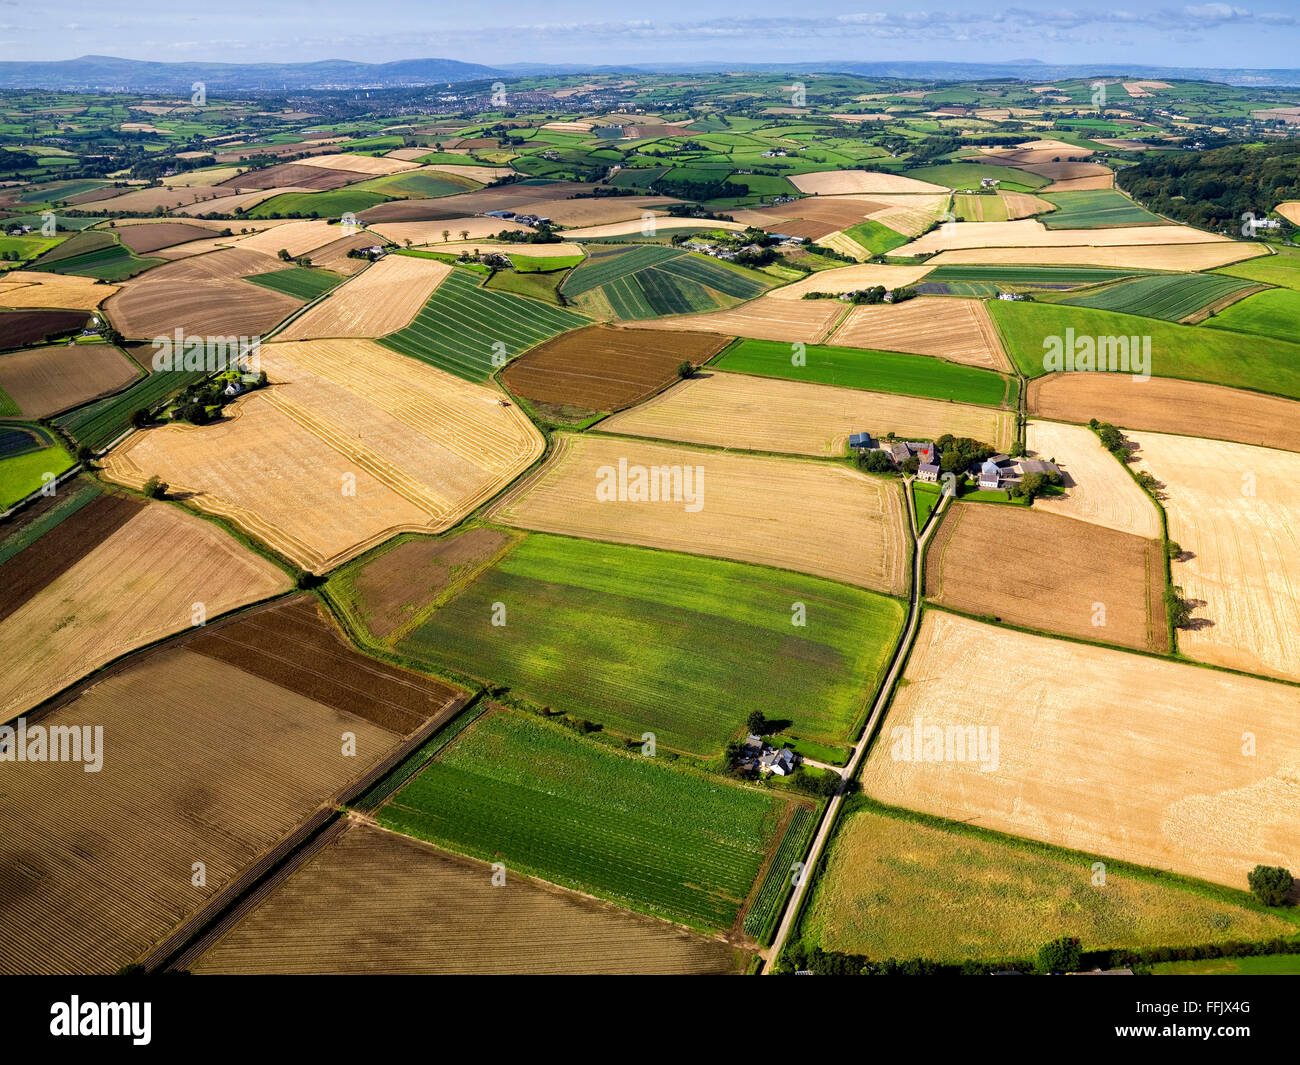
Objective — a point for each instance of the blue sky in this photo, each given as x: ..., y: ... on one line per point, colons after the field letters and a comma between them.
x: 498, y: 31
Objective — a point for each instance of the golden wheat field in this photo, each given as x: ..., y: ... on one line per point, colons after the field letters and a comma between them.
x: 765, y: 318
x: 744, y: 412
x: 202, y: 763
x: 349, y: 444
x: 1103, y: 751
x: 370, y: 165
x: 849, y: 279
x: 1234, y: 509
x: 35, y: 288
x: 141, y: 583
x: 382, y: 299
x: 955, y: 329
x: 779, y: 512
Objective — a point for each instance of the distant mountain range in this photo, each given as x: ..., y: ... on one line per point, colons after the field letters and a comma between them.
x: 106, y: 73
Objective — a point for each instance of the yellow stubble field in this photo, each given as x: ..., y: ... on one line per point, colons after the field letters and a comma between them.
x: 956, y: 329
x: 382, y: 299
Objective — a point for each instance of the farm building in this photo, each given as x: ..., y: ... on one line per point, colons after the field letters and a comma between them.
x: 861, y: 441
x: 990, y: 475
x: 928, y: 471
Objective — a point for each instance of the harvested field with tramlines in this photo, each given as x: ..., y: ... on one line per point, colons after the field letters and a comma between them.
x: 766, y: 318
x: 143, y: 239
x: 1166, y: 405
x: 1185, y: 257
x: 1030, y: 233
x: 297, y: 238
x: 116, y: 575
x: 850, y: 279
x: 1108, y: 588
x: 859, y: 183
x: 205, y: 295
x: 403, y: 906
x: 363, y: 164
x: 384, y: 298
x: 516, y: 789
x: 603, y: 368
x: 773, y: 511
x: 190, y: 742
x: 745, y: 412
x: 1234, y: 511
x: 1098, y: 488
x: 1094, y: 749
x: 349, y: 444
x: 955, y: 329
x: 36, y: 288
x: 44, y: 381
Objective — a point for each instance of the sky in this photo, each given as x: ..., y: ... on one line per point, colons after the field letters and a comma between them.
x: 576, y: 31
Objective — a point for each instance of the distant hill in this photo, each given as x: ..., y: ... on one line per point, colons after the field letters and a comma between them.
x: 107, y: 73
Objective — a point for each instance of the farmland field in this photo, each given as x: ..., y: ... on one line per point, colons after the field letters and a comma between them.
x: 969, y: 175
x: 1122, y: 572
x: 385, y: 297
x: 34, y: 288
x: 879, y: 371
x: 29, y: 458
x: 1166, y: 405
x: 1131, y: 258
x: 98, y: 424
x: 1028, y: 235
x: 773, y: 511
x: 1184, y: 351
x: 1233, y: 509
x: 469, y: 331
x: 766, y: 318
x: 1095, y: 209
x: 602, y: 368
x: 1094, y: 749
x: 1273, y: 313
x: 900, y: 886
x: 548, y: 803
x: 953, y: 329
x: 644, y: 640
x: 350, y: 444
x: 401, y: 906
x: 44, y: 381
x: 124, y: 576
x: 18, y: 329
x: 1028, y: 275
x: 1171, y: 297
x: 748, y: 412
x: 298, y: 281
x: 874, y: 238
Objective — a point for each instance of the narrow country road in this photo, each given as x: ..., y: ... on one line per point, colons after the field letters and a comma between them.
x: 868, y: 730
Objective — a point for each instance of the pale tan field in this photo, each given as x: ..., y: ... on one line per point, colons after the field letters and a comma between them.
x: 481, y: 174
x: 297, y: 238
x: 766, y: 318
x: 408, y: 155
x: 662, y: 223
x: 1099, y: 489
x: 956, y: 329
x: 35, y: 288
x: 382, y: 299
x: 334, y: 255
x: 201, y: 178
x: 1102, y: 751
x: 166, y: 198
x: 778, y: 512
x: 423, y: 448
x: 744, y: 412
x: 567, y: 127
x: 842, y: 182
x: 431, y: 232
x: 43, y: 381
x: 1290, y: 211
x: 1022, y: 205
x: 202, y: 762
x: 1141, y: 88
x: 850, y: 278
x: 230, y: 204
x: 1081, y: 184
x: 595, y: 211
x: 363, y: 164
x: 138, y: 585
x: 1029, y: 233
x: 402, y: 906
x: 909, y: 215
x: 1178, y: 257
x: 1235, y: 509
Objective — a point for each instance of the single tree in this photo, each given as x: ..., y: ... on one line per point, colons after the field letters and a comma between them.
x: 1060, y: 956
x: 685, y: 369
x: 155, y: 488
x: 1270, y: 884
x: 756, y: 723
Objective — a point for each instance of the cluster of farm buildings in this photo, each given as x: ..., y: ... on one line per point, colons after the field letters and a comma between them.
x: 997, y: 471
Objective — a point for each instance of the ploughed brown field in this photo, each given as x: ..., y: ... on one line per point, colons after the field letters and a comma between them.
x: 955, y: 329
x: 550, y: 201
x: 1166, y: 405
x: 292, y: 175
x: 205, y: 759
x: 1095, y: 574
x: 20, y: 328
x: 147, y: 238
x: 44, y: 381
x: 813, y: 217
x: 783, y: 512
x: 605, y: 368
x: 1107, y: 752
x: 116, y: 575
x: 396, y: 905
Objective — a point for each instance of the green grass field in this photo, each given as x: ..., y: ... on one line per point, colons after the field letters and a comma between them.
x: 876, y: 237
x: 1170, y: 297
x: 534, y: 264
x: 302, y: 282
x: 1029, y: 275
x: 979, y: 208
x: 762, y: 916
x: 1188, y: 351
x: 328, y: 204
x: 1273, y: 313
x: 925, y: 497
x: 535, y: 285
x: 457, y: 328
x: 877, y: 371
x: 543, y: 801
x: 95, y: 253
x: 1282, y: 268
x: 1095, y: 209
x: 416, y: 185
x: 908, y: 886
x: 638, y: 639
x: 1261, y: 965
x: 968, y: 176
x: 22, y: 474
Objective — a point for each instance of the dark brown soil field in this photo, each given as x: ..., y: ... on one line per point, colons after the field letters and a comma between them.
x: 143, y: 239
x: 465, y: 205
x: 604, y: 368
x: 293, y: 646
x: 18, y: 329
x: 1166, y: 405
x: 44, y: 381
x: 813, y: 217
x: 61, y: 548
x: 1046, y: 572
x: 292, y: 175
x: 417, y: 573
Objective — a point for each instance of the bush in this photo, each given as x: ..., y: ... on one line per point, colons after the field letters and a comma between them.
x: 1270, y: 884
x: 155, y: 488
